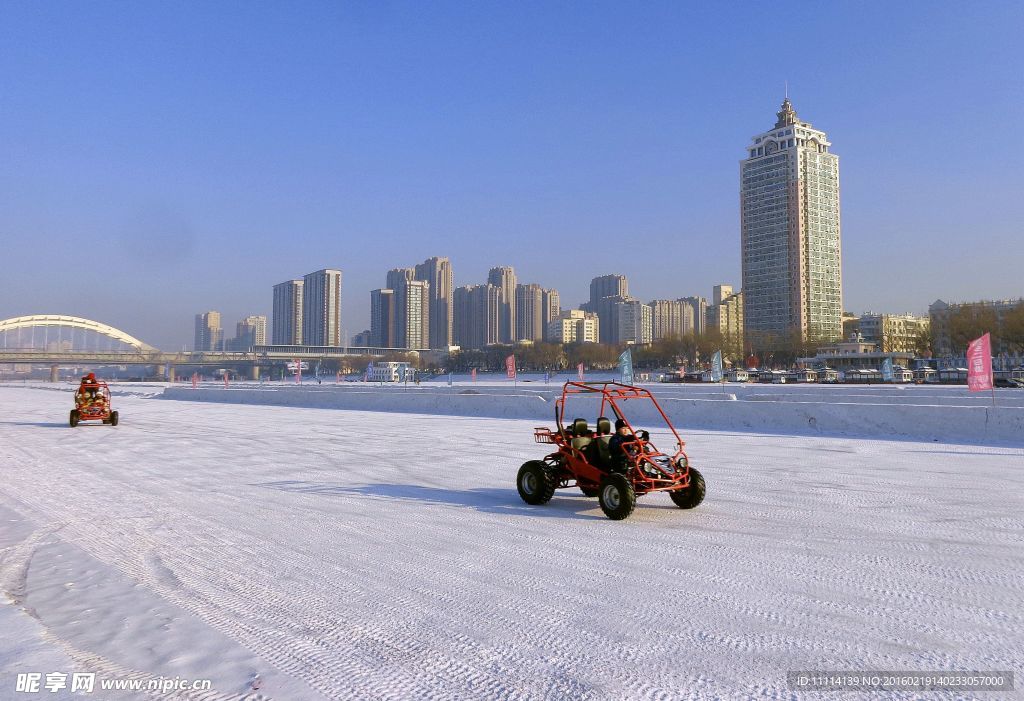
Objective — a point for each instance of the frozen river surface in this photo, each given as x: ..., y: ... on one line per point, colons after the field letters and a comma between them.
x: 366, y: 555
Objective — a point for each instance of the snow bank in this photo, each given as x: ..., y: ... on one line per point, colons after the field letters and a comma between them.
x: 787, y: 414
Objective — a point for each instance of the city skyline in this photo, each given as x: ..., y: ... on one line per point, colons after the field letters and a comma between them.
x: 198, y: 176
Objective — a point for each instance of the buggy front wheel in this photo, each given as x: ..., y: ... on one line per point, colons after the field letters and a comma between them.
x: 113, y: 418
x: 616, y: 497
x: 73, y: 420
x: 691, y: 496
x: 534, y: 483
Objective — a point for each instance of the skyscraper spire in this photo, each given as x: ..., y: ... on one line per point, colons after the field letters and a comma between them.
x: 787, y: 115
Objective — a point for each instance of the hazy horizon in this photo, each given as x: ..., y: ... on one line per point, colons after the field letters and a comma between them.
x: 163, y: 161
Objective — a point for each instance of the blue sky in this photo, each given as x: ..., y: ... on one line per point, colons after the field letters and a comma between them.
x: 161, y: 159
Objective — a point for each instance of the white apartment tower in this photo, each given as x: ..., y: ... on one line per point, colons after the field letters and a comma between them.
x: 790, y: 240
x: 321, y: 308
x: 438, y: 272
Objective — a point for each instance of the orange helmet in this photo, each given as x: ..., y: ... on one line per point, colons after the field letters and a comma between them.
x: 91, y: 377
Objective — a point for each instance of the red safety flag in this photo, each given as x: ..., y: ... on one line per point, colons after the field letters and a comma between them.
x: 195, y: 380
x: 225, y: 380
x: 510, y: 367
x: 579, y: 371
x: 979, y: 364
x: 472, y: 374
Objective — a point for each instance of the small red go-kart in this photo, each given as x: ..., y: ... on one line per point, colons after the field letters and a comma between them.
x: 92, y: 403
x: 586, y: 459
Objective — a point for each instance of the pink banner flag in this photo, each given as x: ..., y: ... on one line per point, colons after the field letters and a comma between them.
x: 472, y: 374
x: 579, y: 371
x: 298, y: 372
x: 195, y: 380
x: 979, y: 364
x: 225, y: 380
x: 510, y: 367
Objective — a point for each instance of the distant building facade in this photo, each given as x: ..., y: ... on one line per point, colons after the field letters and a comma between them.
x: 670, y: 318
x: 574, y: 326
x: 635, y: 322
x: 893, y: 333
x: 250, y: 331
x: 504, y: 278
x: 725, y: 315
x: 1002, y: 318
x: 699, y: 311
x: 529, y: 312
x: 287, y: 313
x: 382, y: 318
x: 437, y: 272
x: 790, y: 234
x: 321, y: 308
x: 477, y: 316
x: 209, y: 335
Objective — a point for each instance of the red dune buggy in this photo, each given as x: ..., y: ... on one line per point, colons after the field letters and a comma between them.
x: 92, y: 403
x: 616, y: 472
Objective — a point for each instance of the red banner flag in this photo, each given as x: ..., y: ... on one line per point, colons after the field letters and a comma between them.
x: 510, y: 367
x: 979, y: 364
x: 579, y: 371
x: 225, y: 380
x: 472, y: 374
x: 195, y: 380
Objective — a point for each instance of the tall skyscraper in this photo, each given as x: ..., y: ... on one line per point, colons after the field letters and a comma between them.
x: 608, y: 286
x: 552, y: 309
x: 789, y: 209
x: 321, y: 308
x: 476, y: 316
x: 606, y: 293
x: 438, y: 272
x: 698, y: 313
x: 382, y: 316
x: 412, y: 314
x: 209, y: 334
x: 634, y: 319
x: 287, y: 313
x: 668, y: 318
x: 529, y: 312
x: 504, y: 278
x: 250, y: 331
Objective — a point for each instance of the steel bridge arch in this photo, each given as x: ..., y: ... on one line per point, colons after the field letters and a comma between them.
x: 37, y: 320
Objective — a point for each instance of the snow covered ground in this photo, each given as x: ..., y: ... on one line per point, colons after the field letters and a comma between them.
x: 364, y: 555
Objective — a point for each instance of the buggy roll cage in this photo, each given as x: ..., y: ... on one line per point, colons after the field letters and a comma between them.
x: 612, y: 393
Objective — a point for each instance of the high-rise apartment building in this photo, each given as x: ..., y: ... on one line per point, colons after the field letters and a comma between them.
x: 321, y: 308
x: 504, y: 278
x: 412, y: 315
x: 608, y: 286
x: 790, y: 234
x: 552, y: 308
x: 476, y: 316
x: 529, y: 312
x: 250, y: 331
x: 438, y: 273
x: 382, y: 318
x: 725, y: 315
x: 209, y: 334
x: 635, y: 322
x: 670, y: 318
x: 287, y: 314
x: 698, y: 312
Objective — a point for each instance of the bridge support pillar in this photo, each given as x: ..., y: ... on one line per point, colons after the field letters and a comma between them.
x: 161, y: 370
x: 170, y: 374
x: 254, y: 372
x: 54, y: 374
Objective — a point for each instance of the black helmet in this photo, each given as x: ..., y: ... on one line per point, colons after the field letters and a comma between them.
x: 619, y: 423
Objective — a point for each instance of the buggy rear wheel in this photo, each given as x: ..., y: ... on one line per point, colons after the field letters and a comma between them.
x: 534, y: 483
x: 616, y: 497
x: 73, y: 420
x: 113, y: 418
x: 691, y: 496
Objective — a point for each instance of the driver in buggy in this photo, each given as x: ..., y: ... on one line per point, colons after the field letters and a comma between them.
x: 89, y: 390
